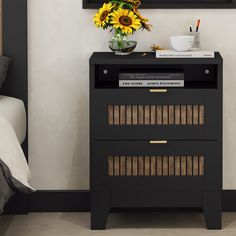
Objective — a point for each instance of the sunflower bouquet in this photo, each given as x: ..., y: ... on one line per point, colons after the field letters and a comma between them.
x: 122, y: 17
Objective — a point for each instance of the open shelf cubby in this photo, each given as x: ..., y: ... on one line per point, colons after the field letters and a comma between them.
x: 195, y: 76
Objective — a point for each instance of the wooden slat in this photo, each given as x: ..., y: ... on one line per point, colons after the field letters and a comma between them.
x: 183, y: 165
x: 159, y: 166
x: 134, y: 115
x: 183, y: 114
x: 110, y: 166
x: 122, y: 115
x: 201, y: 114
x: 116, y: 166
x: 189, y: 165
x: 153, y: 166
x: 201, y: 165
x: 165, y: 115
x: 189, y: 114
x: 156, y: 115
x: 116, y: 115
x: 177, y: 165
x: 110, y: 114
x: 171, y: 166
x: 171, y: 114
x: 140, y: 166
x: 140, y: 114
x: 159, y: 115
x: 153, y: 115
x: 147, y: 166
x: 177, y: 115
x: 134, y: 166
x: 195, y: 165
x: 195, y: 114
x: 165, y: 166
x: 128, y: 115
x: 122, y: 166
x: 147, y: 114
x: 128, y: 165
x: 156, y: 166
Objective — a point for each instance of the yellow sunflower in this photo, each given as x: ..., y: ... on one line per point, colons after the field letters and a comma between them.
x: 143, y: 20
x: 102, y: 16
x: 135, y: 3
x: 125, y: 20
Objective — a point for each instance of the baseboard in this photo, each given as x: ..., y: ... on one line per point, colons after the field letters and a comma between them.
x: 60, y: 201
x: 228, y: 200
x: 18, y: 204
x: 79, y: 201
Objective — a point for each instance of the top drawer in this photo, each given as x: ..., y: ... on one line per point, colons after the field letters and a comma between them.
x: 143, y: 114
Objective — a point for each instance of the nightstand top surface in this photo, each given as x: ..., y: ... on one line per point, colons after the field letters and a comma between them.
x: 149, y: 58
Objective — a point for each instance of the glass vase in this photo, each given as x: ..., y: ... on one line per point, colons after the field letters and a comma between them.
x: 122, y: 44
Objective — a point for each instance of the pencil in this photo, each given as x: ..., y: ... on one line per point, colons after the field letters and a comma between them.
x: 198, y: 25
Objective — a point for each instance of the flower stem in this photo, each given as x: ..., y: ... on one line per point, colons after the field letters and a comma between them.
x: 119, y: 37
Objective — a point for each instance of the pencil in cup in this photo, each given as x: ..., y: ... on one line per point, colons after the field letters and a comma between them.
x: 196, y: 34
x: 197, y: 41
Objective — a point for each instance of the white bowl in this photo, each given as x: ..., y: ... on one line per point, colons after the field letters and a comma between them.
x: 182, y: 43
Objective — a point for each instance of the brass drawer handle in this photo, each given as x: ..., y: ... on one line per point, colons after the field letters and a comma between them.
x: 158, y: 141
x: 158, y: 90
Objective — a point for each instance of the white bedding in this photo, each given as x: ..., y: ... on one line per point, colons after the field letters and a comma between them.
x: 12, y: 154
x: 13, y: 110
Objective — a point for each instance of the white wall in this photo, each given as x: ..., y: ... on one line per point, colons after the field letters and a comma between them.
x: 61, y: 39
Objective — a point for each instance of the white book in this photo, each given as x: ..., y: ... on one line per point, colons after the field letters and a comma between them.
x: 189, y: 54
x: 151, y: 83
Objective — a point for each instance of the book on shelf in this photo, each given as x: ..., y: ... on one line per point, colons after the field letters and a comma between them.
x: 151, y: 83
x: 158, y: 79
x: 152, y: 76
x: 189, y: 54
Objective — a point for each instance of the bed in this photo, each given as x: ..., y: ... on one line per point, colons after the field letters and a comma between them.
x: 14, y: 109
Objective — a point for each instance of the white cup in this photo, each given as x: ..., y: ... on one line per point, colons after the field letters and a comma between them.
x: 182, y: 43
x: 197, y: 42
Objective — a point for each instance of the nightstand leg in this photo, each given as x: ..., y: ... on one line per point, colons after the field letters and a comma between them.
x: 212, y: 209
x: 100, y: 206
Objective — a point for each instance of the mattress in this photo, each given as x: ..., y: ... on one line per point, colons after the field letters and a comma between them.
x: 13, y: 110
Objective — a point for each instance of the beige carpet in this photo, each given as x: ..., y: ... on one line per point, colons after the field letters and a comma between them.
x: 129, y: 224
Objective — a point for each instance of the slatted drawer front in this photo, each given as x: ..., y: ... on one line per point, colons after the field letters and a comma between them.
x: 156, y: 165
x: 155, y: 114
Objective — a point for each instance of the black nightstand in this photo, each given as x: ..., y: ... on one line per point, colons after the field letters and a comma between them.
x: 159, y: 147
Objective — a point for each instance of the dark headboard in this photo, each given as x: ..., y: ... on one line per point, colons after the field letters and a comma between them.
x: 14, y: 37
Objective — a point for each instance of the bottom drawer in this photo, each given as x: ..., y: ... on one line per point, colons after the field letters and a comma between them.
x: 144, y: 165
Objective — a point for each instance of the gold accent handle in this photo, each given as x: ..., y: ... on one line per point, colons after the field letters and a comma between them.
x: 158, y: 90
x: 158, y: 141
